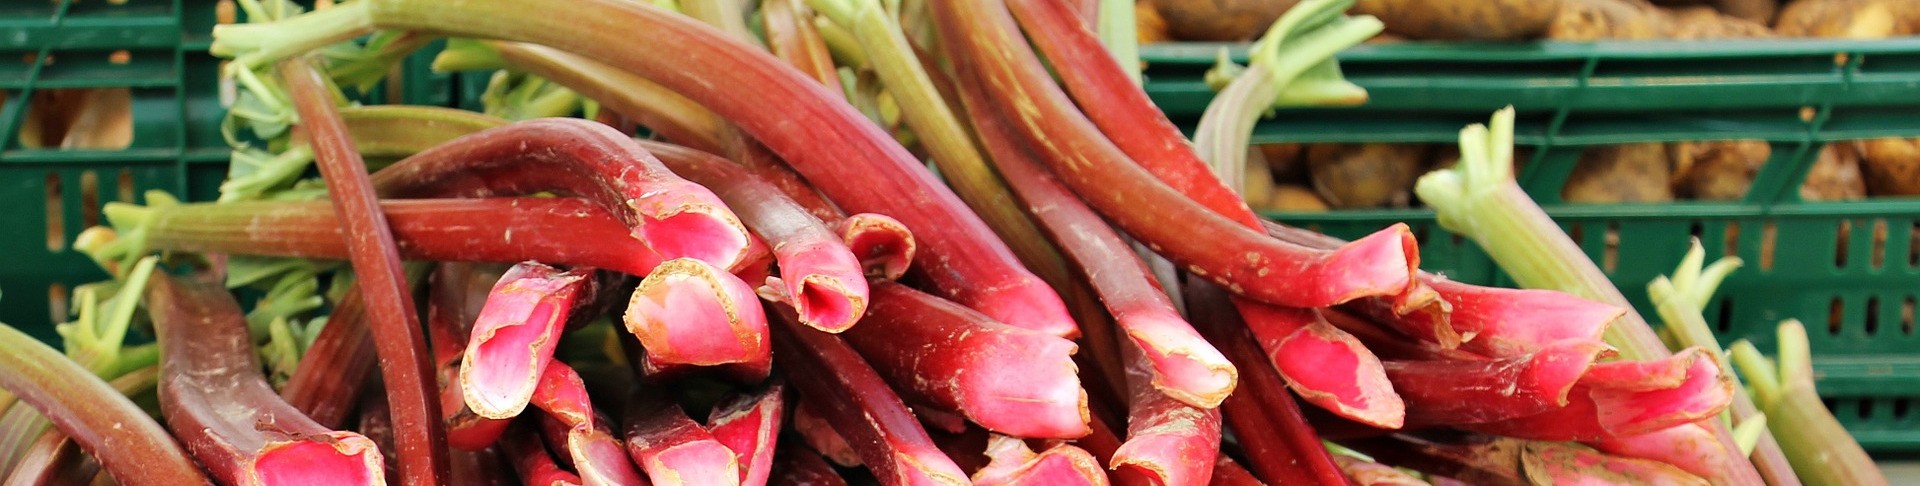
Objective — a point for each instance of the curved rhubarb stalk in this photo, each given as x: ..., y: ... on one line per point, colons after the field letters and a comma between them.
x: 822, y: 280
x: 792, y: 37
x: 216, y: 400
x: 55, y: 458
x: 1014, y: 464
x: 1462, y: 392
x: 336, y: 366
x: 405, y: 364
x: 1369, y: 473
x: 1226, y: 472
x: 799, y: 466
x: 672, y: 448
x: 514, y: 336
x: 1325, y: 365
x: 592, y: 450
x: 531, y: 459
x: 860, y: 406
x: 674, y: 217
x: 1007, y: 379
x: 851, y: 160
x: 820, y: 436
x: 1560, y: 463
x: 1168, y: 441
x: 1597, y: 412
x: 1688, y: 447
x: 404, y: 130
x: 982, y: 38
x: 1184, y: 366
x: 749, y: 425
x: 455, y: 293
x: 688, y: 312
x: 883, y: 244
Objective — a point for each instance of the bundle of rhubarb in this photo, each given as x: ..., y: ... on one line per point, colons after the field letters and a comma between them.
x: 1068, y: 295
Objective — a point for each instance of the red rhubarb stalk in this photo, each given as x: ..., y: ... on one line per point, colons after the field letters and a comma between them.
x: 851, y: 160
x: 1369, y: 473
x: 792, y: 37
x: 1184, y: 366
x: 55, y: 458
x: 405, y: 365
x: 983, y: 38
x: 1281, y: 447
x: 819, y: 435
x: 1226, y: 472
x: 1597, y: 413
x: 1463, y: 392
x: 133, y: 448
x: 455, y: 293
x: 1170, y: 442
x: 337, y: 366
x: 1326, y: 366
x: 1504, y: 322
x: 822, y: 279
x: 749, y: 425
x: 562, y: 394
x: 1690, y: 447
x: 217, y: 401
x: 659, y: 109
x: 1009, y: 380
x: 672, y: 448
x: 532, y: 461
x: 514, y: 335
x: 1016, y: 465
x: 592, y: 451
x: 688, y: 312
x: 859, y: 405
x: 1561, y: 463
x: 674, y: 217
x: 795, y: 465
x: 884, y: 245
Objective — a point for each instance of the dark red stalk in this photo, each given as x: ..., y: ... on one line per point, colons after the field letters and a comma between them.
x: 455, y: 293
x: 405, y: 366
x: 498, y: 230
x: 1463, y: 392
x: 337, y: 366
x: 674, y: 217
x: 376, y: 424
x: 514, y: 335
x: 749, y: 425
x: 1184, y: 366
x: 216, y: 400
x: 1595, y: 413
x: 531, y: 459
x: 857, y: 403
x: 688, y: 312
x: 672, y: 448
x: 822, y: 279
x: 884, y: 246
x: 52, y: 459
x: 592, y: 450
x: 1016, y: 465
x: 1560, y: 463
x: 1226, y: 472
x: 982, y: 37
x: 1473, y: 459
x: 1282, y: 448
x: 1007, y: 379
x: 1325, y: 365
x: 1167, y: 441
x: 792, y: 37
x: 819, y: 435
x: 795, y: 465
x: 1388, y: 343
x: 485, y: 467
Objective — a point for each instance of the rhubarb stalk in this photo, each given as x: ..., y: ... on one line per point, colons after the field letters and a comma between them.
x: 672, y: 448
x: 1168, y: 441
x: 337, y: 365
x: 688, y: 312
x: 532, y: 461
x: 799, y: 466
x: 455, y: 294
x: 1821, y: 450
x: 1014, y: 464
x: 218, y: 403
x: 859, y: 405
x: 749, y: 425
x: 406, y: 367
x: 55, y: 458
x: 514, y: 336
x: 1463, y: 392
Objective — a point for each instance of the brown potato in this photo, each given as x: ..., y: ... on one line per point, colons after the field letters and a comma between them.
x: 1148, y: 25
x: 1835, y: 176
x: 1296, y: 198
x: 1283, y: 159
x: 1847, y: 19
x: 1463, y: 19
x: 1220, y: 20
x: 1366, y: 175
x: 1717, y: 171
x: 1635, y: 172
x: 1706, y: 23
x: 1586, y: 20
x: 1891, y: 166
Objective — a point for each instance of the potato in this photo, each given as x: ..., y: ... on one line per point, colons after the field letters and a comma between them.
x: 104, y: 120
x: 1256, y: 179
x: 1716, y: 171
x: 1220, y: 20
x: 1760, y: 11
x: 1296, y: 198
x: 1586, y: 20
x: 1891, y: 166
x: 1283, y: 160
x: 1835, y: 176
x: 1148, y: 25
x: 1463, y: 19
x: 1635, y: 172
x: 1366, y: 175
x: 1848, y: 19
x: 1705, y: 23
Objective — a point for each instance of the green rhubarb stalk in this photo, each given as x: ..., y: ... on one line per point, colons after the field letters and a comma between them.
x: 1679, y: 301
x: 1115, y: 24
x: 129, y: 444
x: 1478, y: 198
x: 1821, y: 450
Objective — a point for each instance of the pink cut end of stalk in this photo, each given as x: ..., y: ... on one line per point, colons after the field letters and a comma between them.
x: 693, y: 464
x: 1639, y: 376
x: 1563, y: 464
x: 341, y: 458
x: 1166, y: 453
x: 1325, y: 365
x: 1559, y: 366
x: 1705, y: 393
x: 1016, y: 465
x: 1501, y: 322
x: 466, y: 430
x: 514, y: 338
x: 1690, y: 447
x: 600, y: 459
x: 696, y: 224
x: 1382, y: 263
x: 826, y: 297
x: 884, y: 245
x: 688, y: 312
x: 563, y: 395
x: 749, y: 425
x: 1040, y: 399
x: 1185, y: 366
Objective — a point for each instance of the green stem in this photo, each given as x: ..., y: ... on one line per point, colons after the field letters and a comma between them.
x: 1118, y: 32
x: 1478, y: 198
x: 256, y: 45
x: 468, y: 55
x: 1821, y: 450
x: 108, y: 426
x: 1763, y: 378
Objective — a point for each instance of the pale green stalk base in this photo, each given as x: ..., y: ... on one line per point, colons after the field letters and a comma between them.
x: 1118, y: 32
x: 1821, y: 450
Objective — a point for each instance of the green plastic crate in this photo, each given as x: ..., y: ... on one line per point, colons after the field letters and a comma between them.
x: 158, y: 49
x: 1818, y: 262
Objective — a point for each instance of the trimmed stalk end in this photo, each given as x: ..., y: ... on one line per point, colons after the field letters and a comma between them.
x: 692, y: 224
x: 1330, y: 368
x: 884, y: 245
x: 340, y: 457
x: 1038, y: 397
x: 689, y: 312
x: 1185, y: 366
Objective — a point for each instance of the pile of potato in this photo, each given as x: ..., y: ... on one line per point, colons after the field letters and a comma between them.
x: 1343, y: 176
